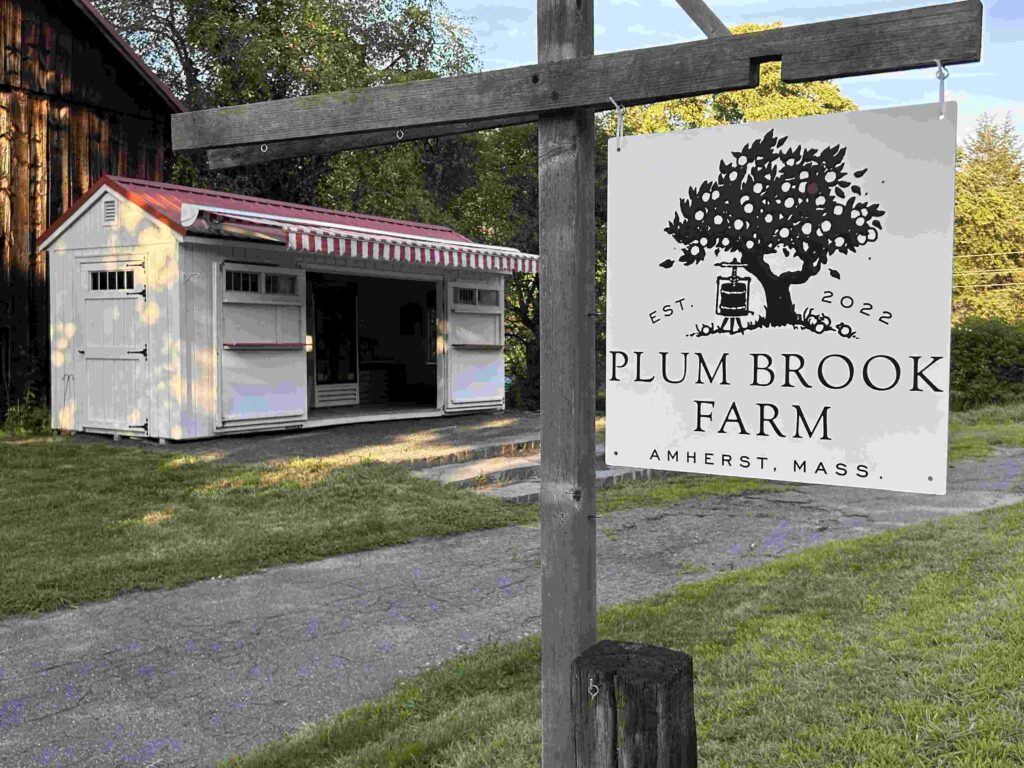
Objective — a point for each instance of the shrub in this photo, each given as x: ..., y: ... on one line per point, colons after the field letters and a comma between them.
x: 987, y: 363
x: 26, y: 418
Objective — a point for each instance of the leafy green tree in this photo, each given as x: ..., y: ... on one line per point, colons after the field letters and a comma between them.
x: 221, y: 52
x: 989, y: 232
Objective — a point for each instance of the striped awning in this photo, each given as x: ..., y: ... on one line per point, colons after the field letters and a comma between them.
x: 438, y: 253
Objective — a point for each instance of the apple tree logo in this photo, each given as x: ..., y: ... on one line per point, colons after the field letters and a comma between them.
x: 771, y: 201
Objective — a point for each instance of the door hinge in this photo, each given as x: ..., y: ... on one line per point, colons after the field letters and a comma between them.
x: 144, y: 352
x: 141, y: 292
x: 144, y: 426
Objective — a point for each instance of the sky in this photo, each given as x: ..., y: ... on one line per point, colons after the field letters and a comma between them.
x: 506, y: 33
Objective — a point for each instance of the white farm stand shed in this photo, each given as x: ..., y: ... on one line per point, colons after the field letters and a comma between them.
x: 180, y: 313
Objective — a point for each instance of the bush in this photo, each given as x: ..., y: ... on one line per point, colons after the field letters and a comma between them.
x: 26, y: 418
x: 987, y: 364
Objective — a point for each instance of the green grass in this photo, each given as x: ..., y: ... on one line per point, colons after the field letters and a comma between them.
x: 901, y: 649
x: 84, y: 522
x: 974, y: 434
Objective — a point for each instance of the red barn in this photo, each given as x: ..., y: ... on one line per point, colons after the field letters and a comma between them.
x: 75, y: 103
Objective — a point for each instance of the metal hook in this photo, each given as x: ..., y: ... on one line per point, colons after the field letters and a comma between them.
x: 942, y: 74
x: 593, y: 690
x: 263, y: 147
x: 619, y: 112
x: 400, y: 134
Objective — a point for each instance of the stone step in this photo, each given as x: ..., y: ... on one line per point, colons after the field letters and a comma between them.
x: 528, y: 491
x: 492, y: 471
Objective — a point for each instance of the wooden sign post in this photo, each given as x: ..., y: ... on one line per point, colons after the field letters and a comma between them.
x: 561, y: 91
x: 568, y: 524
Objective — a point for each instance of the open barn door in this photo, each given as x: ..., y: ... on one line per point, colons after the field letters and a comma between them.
x: 262, y: 329
x: 476, y: 357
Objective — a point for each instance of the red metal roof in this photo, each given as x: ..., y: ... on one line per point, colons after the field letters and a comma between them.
x: 108, y: 31
x: 164, y: 201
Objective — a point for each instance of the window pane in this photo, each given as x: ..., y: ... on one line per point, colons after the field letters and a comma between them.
x: 243, y: 282
x: 465, y: 296
x: 285, y: 285
x: 95, y: 276
x: 487, y: 298
x: 130, y: 279
x: 120, y: 279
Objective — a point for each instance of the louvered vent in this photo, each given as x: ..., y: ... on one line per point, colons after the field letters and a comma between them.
x: 109, y: 212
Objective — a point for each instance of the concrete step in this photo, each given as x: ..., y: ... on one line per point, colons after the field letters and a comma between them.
x: 528, y: 491
x: 492, y: 471
x: 511, y: 446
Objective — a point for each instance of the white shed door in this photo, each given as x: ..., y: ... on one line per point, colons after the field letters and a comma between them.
x: 113, y: 365
x: 476, y: 356
x: 263, y: 349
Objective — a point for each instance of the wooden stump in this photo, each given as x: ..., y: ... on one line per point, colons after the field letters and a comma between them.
x: 632, y: 707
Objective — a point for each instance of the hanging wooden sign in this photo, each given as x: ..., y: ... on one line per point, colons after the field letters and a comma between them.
x: 779, y: 299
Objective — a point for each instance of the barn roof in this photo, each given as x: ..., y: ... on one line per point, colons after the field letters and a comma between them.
x: 108, y: 31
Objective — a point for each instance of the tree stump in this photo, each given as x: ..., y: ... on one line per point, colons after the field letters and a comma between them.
x: 632, y: 707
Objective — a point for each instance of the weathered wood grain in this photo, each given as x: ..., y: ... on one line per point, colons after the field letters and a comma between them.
x: 641, y: 713
x: 250, y: 154
x: 12, y: 46
x: 847, y: 47
x: 704, y: 18
x: 6, y: 133
x: 566, y: 168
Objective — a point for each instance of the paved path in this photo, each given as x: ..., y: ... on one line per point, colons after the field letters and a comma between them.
x: 186, y: 676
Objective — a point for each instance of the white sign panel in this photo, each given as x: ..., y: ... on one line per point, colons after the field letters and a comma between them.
x: 779, y: 299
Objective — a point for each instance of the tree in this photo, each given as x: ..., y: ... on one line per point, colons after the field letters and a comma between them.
x: 797, y: 202
x: 989, y: 232
x: 218, y: 52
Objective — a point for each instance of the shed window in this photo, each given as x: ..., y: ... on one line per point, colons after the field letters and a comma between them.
x: 465, y: 296
x: 242, y: 282
x: 487, y: 298
x: 112, y: 280
x: 284, y: 285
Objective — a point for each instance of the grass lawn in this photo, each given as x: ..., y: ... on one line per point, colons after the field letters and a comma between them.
x: 973, y: 434
x: 85, y: 522
x: 901, y: 649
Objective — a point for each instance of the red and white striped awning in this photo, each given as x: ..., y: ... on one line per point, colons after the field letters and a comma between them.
x: 356, y: 242
x: 438, y: 253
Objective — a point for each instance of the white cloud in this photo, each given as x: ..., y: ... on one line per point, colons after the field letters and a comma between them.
x: 640, y: 29
x: 872, y: 94
x: 599, y: 29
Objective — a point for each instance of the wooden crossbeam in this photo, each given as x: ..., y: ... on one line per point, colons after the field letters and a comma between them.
x: 843, y: 48
x: 704, y: 18
x: 246, y: 154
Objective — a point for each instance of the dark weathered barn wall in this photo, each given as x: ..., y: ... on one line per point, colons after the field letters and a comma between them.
x: 72, y: 107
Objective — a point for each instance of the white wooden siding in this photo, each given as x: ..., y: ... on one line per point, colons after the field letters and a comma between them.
x: 137, y: 237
